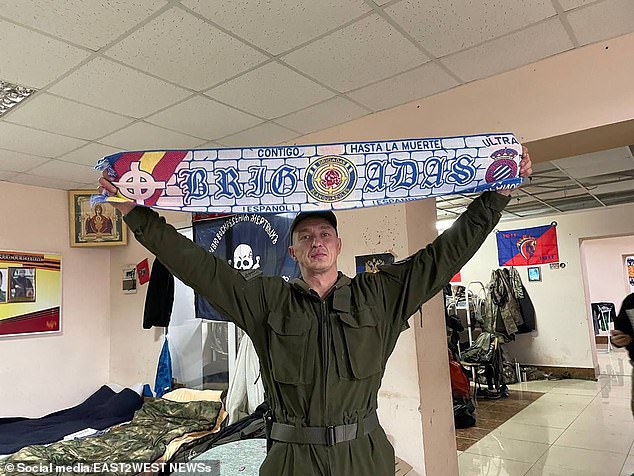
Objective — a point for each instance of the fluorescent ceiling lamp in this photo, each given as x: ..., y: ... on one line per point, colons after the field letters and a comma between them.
x: 12, y: 94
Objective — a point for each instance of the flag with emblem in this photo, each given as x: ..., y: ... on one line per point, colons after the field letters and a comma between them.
x: 528, y: 246
x: 143, y: 271
x: 252, y: 244
x: 629, y: 262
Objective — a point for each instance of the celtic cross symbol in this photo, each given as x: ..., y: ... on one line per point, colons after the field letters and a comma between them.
x: 138, y: 185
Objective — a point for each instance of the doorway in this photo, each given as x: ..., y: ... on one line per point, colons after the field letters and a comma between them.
x: 606, y: 282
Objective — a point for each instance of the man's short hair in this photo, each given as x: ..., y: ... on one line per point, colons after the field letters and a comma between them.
x: 327, y: 215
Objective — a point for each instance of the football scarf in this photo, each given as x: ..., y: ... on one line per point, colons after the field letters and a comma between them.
x: 294, y: 178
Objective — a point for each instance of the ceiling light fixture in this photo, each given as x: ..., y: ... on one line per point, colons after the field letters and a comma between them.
x: 12, y: 94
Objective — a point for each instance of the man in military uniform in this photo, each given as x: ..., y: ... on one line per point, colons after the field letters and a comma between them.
x: 323, y: 340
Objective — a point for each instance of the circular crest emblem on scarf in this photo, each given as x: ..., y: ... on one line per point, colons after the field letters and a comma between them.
x: 331, y: 178
x: 503, y: 166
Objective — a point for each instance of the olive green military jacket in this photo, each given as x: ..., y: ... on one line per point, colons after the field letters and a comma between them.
x: 322, y: 361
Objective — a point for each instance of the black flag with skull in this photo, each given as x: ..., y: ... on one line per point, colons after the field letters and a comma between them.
x: 249, y: 243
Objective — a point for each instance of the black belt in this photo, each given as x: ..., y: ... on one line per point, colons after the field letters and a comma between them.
x: 321, y: 435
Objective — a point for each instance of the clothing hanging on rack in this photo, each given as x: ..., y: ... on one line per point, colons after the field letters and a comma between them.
x: 159, y: 298
x: 527, y: 310
x: 502, y: 314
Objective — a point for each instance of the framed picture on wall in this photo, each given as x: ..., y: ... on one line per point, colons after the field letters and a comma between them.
x: 534, y: 273
x: 4, y: 278
x: 21, y: 285
x: 101, y: 225
x: 629, y: 271
x: 30, y: 292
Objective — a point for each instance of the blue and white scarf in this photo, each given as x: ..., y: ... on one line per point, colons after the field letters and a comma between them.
x: 296, y: 178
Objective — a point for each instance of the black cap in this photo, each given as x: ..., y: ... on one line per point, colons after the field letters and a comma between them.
x: 325, y: 214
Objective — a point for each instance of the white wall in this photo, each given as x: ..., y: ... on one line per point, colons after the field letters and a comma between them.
x: 563, y: 335
x: 605, y: 272
x: 42, y: 374
x: 134, y: 351
x: 381, y: 230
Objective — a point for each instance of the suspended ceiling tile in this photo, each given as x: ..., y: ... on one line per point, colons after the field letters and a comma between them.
x: 17, y: 162
x: 143, y: 136
x: 614, y: 187
x: 89, y: 154
x: 444, y: 216
x: 529, y: 191
x: 536, y: 190
x: 456, y: 199
x: 31, y: 141
x: 597, y: 163
x: 517, y: 49
x: 66, y: 171
x: 562, y: 194
x: 6, y: 176
x: 626, y: 197
x: 602, y: 155
x: 111, y: 86
x: 521, y: 198
x: 204, y: 117
x: 321, y: 116
x: 186, y: 50
x: 596, y: 180
x: 444, y: 27
x: 210, y: 145
x: 61, y: 116
x: 571, y: 4
x: 34, y: 60
x: 364, y: 52
x: 421, y: 82
x: 576, y: 204
x: 545, y: 184
x: 563, y: 185
x: 281, y: 25
x: 91, y: 24
x: 46, y: 182
x: 453, y: 204
x: 266, y: 134
x: 530, y: 212
x: 270, y: 91
x: 587, y: 171
x: 548, y: 174
x: 453, y: 212
x: 520, y: 201
x: 603, y: 20
x: 539, y: 167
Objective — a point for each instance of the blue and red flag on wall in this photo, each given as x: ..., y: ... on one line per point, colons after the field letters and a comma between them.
x: 528, y: 246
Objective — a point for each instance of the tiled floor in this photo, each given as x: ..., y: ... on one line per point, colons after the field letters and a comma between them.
x: 491, y: 414
x: 578, y: 427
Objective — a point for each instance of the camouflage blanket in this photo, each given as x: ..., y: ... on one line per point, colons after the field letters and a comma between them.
x: 143, y: 440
